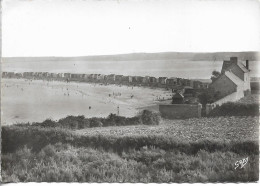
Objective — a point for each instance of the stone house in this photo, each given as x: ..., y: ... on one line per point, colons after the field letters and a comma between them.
x: 227, y: 83
x: 118, y: 78
x: 18, y: 75
x: 239, y: 69
x: 177, y: 98
x: 53, y: 75
x: 235, y: 77
x: 126, y: 79
x: 40, y: 74
x: 60, y: 75
x: 75, y: 76
x: 91, y: 77
x: 100, y: 77
x: 137, y: 79
x: 152, y: 80
x: 197, y: 84
x: 162, y: 80
x: 111, y: 78
x: 146, y: 80
x: 172, y: 81
x: 10, y: 74
x: 95, y: 77
x: 67, y: 75
x: 204, y: 85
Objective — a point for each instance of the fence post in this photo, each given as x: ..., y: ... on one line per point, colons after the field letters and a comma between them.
x: 199, y: 110
x: 208, y: 108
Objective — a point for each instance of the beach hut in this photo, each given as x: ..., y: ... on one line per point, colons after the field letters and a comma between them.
x: 146, y: 80
x: 162, y: 80
x: 152, y: 80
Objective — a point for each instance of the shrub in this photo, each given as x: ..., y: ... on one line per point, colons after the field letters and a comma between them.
x: 95, y: 122
x: 236, y: 109
x: 114, y: 120
x: 74, y: 122
x: 150, y: 118
x: 47, y: 123
x: 134, y: 120
x: 80, y: 122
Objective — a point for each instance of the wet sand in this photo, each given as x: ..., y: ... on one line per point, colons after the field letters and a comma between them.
x: 37, y: 100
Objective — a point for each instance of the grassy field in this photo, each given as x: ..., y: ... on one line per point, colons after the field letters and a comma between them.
x: 193, y: 150
x: 221, y: 128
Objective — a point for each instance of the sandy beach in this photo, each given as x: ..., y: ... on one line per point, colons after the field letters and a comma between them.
x: 37, y: 100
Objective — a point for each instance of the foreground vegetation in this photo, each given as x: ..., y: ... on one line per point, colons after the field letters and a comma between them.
x: 65, y: 163
x: 192, y: 150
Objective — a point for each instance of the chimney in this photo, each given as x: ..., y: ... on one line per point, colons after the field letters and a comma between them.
x: 247, y: 64
x: 233, y: 60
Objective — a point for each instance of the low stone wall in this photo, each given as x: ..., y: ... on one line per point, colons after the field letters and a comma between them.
x: 231, y: 97
x: 235, y: 96
x: 180, y: 111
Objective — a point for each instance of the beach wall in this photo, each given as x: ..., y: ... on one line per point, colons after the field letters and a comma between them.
x: 180, y: 111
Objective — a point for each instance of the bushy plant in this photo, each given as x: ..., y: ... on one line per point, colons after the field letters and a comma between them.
x: 95, y: 122
x: 150, y: 118
x: 236, y: 109
x: 80, y: 122
x: 47, y: 123
x: 114, y: 120
x: 74, y: 122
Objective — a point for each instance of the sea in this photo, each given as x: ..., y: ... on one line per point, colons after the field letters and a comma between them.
x: 157, y: 68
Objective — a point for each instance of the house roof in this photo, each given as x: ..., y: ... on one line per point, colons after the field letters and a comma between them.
x: 242, y: 67
x: 227, y: 64
x: 178, y: 95
x: 234, y: 78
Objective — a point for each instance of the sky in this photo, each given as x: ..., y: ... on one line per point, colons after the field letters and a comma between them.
x: 91, y: 27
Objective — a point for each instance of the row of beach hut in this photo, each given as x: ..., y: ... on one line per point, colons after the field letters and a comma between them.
x: 111, y: 78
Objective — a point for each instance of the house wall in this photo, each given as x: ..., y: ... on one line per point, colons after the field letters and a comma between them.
x: 180, y: 111
x: 247, y: 81
x: 224, y: 85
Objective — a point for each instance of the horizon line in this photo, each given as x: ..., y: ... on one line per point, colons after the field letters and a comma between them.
x: 97, y: 55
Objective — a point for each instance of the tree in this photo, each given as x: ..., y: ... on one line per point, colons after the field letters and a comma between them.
x: 215, y: 75
x: 208, y: 96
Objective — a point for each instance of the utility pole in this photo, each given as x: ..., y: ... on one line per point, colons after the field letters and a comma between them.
x: 118, y: 110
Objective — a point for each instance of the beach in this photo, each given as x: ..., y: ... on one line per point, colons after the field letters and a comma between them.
x: 36, y: 100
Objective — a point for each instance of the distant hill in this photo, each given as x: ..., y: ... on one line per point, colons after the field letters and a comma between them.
x: 218, y: 56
